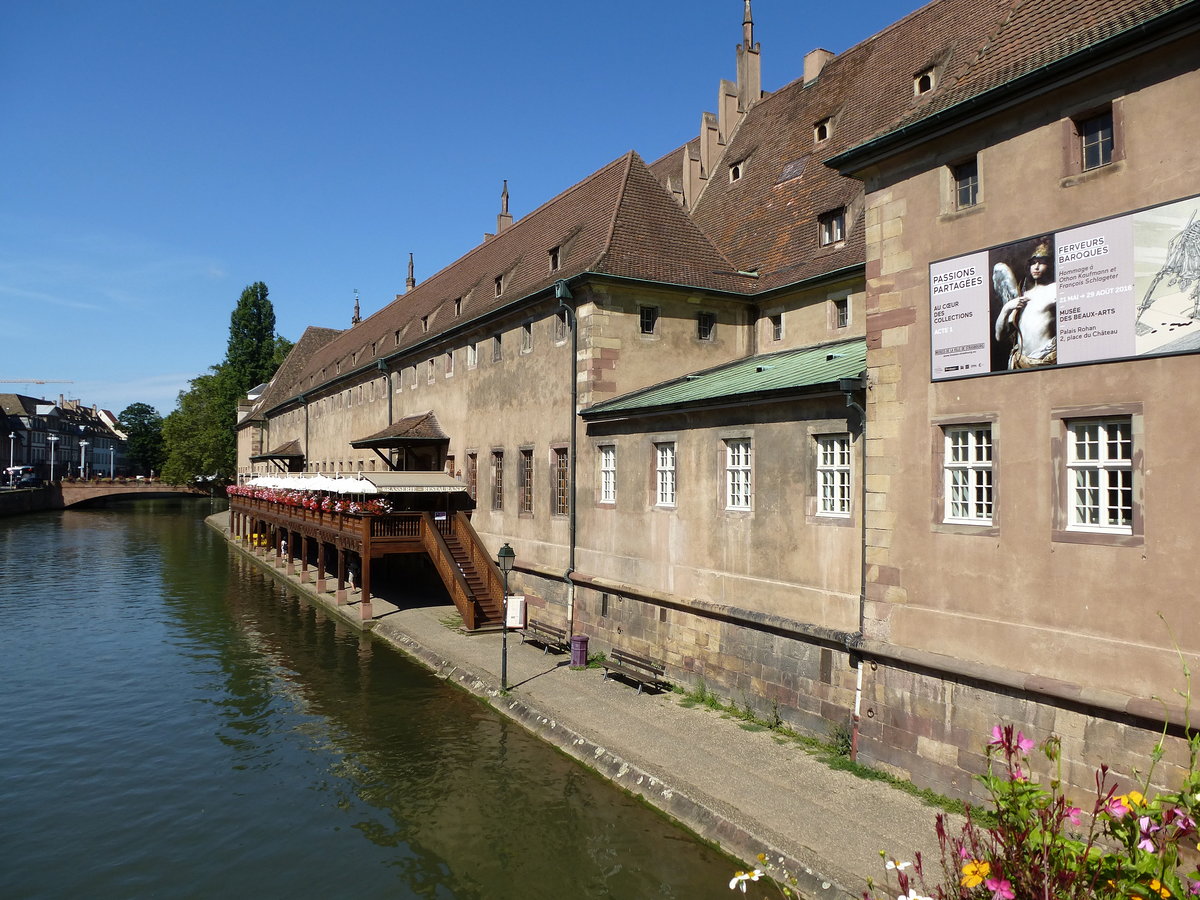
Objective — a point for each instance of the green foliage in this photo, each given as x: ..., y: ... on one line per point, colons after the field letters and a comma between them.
x: 143, y: 428
x: 840, y: 739
x: 1039, y: 845
x: 199, y: 437
x: 250, y: 357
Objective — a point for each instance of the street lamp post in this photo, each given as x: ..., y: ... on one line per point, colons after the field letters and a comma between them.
x: 12, y: 460
x: 53, y: 439
x: 505, y: 558
x: 82, y: 451
x: 111, y: 455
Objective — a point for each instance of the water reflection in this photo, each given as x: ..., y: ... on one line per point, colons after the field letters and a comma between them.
x: 184, y: 726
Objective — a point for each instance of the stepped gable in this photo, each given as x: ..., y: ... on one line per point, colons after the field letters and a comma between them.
x: 768, y: 218
x: 618, y: 221
x: 285, y: 383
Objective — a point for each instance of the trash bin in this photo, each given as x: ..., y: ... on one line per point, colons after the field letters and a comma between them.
x: 579, y: 650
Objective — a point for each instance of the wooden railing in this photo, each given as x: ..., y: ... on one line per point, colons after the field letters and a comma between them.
x: 484, y: 564
x: 452, y: 577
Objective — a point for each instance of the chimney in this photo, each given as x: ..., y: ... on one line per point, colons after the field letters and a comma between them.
x: 814, y: 62
x: 410, y: 282
x: 357, y: 317
x: 504, y: 220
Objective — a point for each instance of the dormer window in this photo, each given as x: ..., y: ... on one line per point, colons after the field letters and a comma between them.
x: 458, y: 307
x: 737, y: 170
x: 831, y: 227
x: 821, y: 130
x: 499, y: 285
x: 555, y: 259
x: 923, y: 82
x: 397, y: 338
x: 424, y: 324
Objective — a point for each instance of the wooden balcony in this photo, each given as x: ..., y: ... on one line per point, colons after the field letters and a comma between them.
x: 451, y: 543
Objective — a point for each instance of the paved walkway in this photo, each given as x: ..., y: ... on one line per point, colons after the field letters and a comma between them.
x: 750, y: 791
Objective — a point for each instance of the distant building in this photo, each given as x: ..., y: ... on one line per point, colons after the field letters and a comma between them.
x: 68, y: 433
x: 872, y: 396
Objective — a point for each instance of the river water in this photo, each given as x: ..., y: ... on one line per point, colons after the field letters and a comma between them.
x: 175, y: 723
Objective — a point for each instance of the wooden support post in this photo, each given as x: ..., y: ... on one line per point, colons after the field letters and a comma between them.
x: 320, y: 566
x: 341, y: 575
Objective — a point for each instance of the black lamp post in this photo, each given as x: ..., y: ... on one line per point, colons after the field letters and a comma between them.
x: 504, y: 559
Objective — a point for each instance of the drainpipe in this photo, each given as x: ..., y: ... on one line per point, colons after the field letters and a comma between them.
x: 304, y: 400
x: 382, y: 367
x: 849, y: 387
x: 562, y: 293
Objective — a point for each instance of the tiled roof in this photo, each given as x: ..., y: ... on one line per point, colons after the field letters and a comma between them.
x: 282, y: 384
x: 619, y: 221
x: 422, y: 427
x: 19, y: 404
x: 786, y: 372
x: 768, y: 218
x: 289, y: 450
x: 1030, y: 36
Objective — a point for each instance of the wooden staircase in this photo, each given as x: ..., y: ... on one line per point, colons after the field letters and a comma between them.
x: 490, y: 607
x: 467, y: 570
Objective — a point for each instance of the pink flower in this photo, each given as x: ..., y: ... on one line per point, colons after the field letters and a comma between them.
x: 997, y: 736
x: 1147, y: 826
x: 1072, y: 814
x: 1001, y: 888
x: 1116, y: 808
x: 1017, y: 774
x: 1024, y: 744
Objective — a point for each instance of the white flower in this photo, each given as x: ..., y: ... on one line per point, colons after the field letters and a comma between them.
x: 740, y: 878
x: 913, y: 895
x: 898, y: 866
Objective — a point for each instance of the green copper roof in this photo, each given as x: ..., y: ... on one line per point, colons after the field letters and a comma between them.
x: 787, y: 372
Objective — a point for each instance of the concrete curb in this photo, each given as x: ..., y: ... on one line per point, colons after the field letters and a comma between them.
x: 690, y: 811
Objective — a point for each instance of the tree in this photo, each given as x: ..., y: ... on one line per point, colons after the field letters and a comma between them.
x: 199, y: 436
x: 143, y: 428
x: 250, y: 357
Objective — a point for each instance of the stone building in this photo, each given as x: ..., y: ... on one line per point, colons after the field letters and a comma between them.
x: 78, y: 439
x: 696, y: 396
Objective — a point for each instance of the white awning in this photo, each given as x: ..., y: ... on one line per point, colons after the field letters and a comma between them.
x: 364, y: 483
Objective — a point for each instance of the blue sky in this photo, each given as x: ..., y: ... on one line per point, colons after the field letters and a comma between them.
x: 159, y: 156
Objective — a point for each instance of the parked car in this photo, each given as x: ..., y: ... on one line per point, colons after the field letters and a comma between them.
x: 29, y: 481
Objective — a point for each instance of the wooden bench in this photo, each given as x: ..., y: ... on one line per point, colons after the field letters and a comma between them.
x: 549, y: 636
x: 636, y: 668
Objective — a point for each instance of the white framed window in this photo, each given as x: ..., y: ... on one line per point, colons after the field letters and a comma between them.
x: 833, y: 475
x: 738, y: 484
x: 967, y: 467
x: 608, y: 474
x: 1100, y: 469
x: 526, y: 337
x: 472, y: 355
x: 664, y: 474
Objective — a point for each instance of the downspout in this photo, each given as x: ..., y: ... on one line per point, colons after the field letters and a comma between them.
x: 562, y: 293
x: 387, y: 380
x: 849, y: 387
x: 304, y: 400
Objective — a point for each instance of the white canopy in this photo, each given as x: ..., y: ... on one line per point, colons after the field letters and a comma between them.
x: 363, y: 483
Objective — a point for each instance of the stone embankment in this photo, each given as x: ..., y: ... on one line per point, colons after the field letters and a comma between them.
x: 746, y: 789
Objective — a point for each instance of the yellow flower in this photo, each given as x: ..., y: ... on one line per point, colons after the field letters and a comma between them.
x: 974, y: 872
x: 1132, y: 799
x: 1156, y: 885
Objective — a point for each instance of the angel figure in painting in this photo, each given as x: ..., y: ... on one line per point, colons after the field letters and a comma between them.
x: 1028, y: 316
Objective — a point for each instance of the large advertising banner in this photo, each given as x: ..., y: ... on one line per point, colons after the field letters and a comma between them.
x: 1118, y: 288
